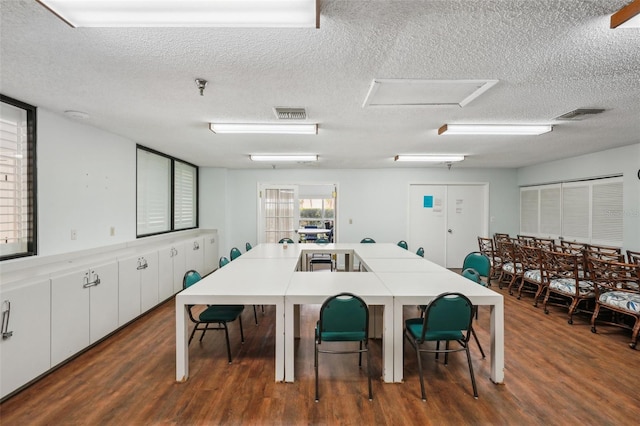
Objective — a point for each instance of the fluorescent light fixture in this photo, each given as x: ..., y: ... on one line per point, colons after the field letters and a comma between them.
x: 265, y: 128
x: 494, y: 129
x: 187, y: 13
x: 280, y: 158
x: 627, y: 17
x: 430, y: 158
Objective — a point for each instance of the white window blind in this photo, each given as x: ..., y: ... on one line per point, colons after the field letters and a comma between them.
x: 185, y: 186
x: 154, y: 193
x: 279, y: 211
x: 528, y: 211
x: 575, y: 211
x: 607, y: 212
x: 550, y: 222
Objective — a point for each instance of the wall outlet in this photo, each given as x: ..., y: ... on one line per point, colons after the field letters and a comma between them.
x: 350, y: 221
x: 74, y: 234
x: 112, y: 231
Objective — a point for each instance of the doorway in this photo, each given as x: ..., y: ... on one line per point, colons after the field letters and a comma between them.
x: 447, y: 219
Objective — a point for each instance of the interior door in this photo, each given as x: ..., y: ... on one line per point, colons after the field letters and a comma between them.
x: 279, y: 213
x: 446, y: 220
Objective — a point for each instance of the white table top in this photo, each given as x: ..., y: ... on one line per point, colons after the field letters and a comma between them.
x: 405, y: 264
x: 273, y: 251
x: 382, y: 250
x: 322, y: 285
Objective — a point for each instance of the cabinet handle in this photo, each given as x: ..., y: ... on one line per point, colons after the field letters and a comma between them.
x: 6, y: 312
x: 174, y: 252
x: 93, y: 283
x: 196, y: 246
x: 142, y: 263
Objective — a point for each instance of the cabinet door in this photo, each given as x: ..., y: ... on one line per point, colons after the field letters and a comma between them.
x: 194, y: 251
x: 165, y: 272
x: 69, y: 315
x: 129, y: 289
x: 26, y: 353
x: 210, y: 253
x: 179, y: 266
x: 149, y: 281
x: 103, y: 300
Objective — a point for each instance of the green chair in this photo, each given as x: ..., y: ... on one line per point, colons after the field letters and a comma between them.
x: 285, y: 240
x: 367, y: 240
x: 474, y: 276
x: 213, y: 314
x: 403, y: 244
x: 480, y: 263
x: 223, y: 261
x: 321, y: 258
x: 420, y: 251
x: 235, y: 253
x: 448, y: 317
x: 247, y: 246
x: 343, y: 318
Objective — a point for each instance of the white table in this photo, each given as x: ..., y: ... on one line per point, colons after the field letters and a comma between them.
x: 419, y: 288
x: 310, y: 288
x: 242, y: 282
x: 401, y: 265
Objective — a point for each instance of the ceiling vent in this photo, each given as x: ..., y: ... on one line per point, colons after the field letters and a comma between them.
x: 290, y: 113
x: 579, y: 114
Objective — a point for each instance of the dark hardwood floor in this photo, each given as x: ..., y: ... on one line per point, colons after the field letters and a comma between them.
x: 556, y: 374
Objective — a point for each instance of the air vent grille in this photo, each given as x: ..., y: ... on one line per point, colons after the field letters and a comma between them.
x: 290, y: 113
x: 579, y: 114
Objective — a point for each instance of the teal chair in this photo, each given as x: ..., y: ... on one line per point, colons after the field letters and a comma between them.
x: 473, y: 275
x: 285, y: 240
x: 367, y: 240
x: 235, y: 253
x: 403, y: 244
x: 420, y: 251
x: 480, y: 263
x: 223, y: 261
x: 343, y: 318
x: 448, y: 317
x: 247, y: 246
x: 213, y: 314
x: 321, y: 258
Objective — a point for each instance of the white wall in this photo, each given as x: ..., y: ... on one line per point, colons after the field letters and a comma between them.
x: 86, y: 182
x: 375, y: 200
x: 625, y: 161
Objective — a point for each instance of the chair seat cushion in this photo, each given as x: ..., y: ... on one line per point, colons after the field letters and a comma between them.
x: 221, y: 313
x: 622, y: 299
x: 342, y: 336
x: 533, y: 275
x: 508, y: 267
x: 568, y: 286
x: 414, y: 327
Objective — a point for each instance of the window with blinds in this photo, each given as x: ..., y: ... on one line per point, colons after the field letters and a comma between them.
x: 167, y: 193
x: 17, y: 179
x: 278, y: 213
x: 588, y: 211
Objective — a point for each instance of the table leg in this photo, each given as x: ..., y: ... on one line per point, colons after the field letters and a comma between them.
x: 182, y: 343
x: 388, y: 343
x: 497, y: 342
x: 398, y: 342
x: 280, y: 341
x: 289, y: 375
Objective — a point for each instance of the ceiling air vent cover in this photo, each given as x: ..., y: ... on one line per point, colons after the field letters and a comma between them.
x: 579, y: 114
x: 290, y: 113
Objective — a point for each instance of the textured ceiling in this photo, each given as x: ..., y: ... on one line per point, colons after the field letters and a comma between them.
x: 549, y: 57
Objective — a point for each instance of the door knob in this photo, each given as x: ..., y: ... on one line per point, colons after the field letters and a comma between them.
x: 450, y: 231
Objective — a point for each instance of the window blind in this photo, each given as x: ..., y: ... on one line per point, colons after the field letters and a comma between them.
x: 185, y: 186
x: 153, y: 193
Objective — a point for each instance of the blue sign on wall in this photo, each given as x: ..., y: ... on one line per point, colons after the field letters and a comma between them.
x: 428, y: 201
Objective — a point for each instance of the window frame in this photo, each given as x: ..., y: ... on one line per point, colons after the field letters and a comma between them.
x: 32, y: 177
x: 172, y: 198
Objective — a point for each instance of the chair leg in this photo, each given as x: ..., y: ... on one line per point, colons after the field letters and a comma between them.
x: 478, y: 342
x: 241, y: 330
x: 360, y: 356
x: 192, y: 333
x: 473, y: 378
x: 255, y: 314
x: 315, y: 367
x: 226, y: 335
x: 204, y: 330
x: 446, y: 354
x: 369, y: 370
x: 424, y: 396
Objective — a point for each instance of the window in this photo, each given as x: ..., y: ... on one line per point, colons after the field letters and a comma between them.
x: 316, y: 211
x: 167, y: 193
x: 17, y: 179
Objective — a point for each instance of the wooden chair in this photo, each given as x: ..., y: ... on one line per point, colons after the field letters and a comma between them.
x: 511, y: 266
x: 488, y: 248
x: 617, y: 288
x: 573, y: 247
x: 604, y: 252
x: 633, y: 256
x: 544, y: 243
x: 564, y: 280
x: 527, y: 240
x: 533, y: 272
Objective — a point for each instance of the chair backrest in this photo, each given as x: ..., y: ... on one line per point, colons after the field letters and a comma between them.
x: 403, y: 244
x: 609, y: 275
x: 420, y: 251
x: 473, y: 275
x: 633, y: 256
x: 285, y: 240
x: 479, y: 262
x: 247, y: 246
x: 446, y: 313
x: 235, y: 253
x: 223, y: 261
x: 343, y: 317
x: 322, y: 241
x: 367, y: 240
x: 190, y: 278
x: 499, y: 237
x: 486, y: 247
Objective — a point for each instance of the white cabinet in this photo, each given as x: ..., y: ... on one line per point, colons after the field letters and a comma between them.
x: 210, y: 253
x: 138, y: 286
x: 172, y: 266
x: 84, y: 308
x: 194, y: 251
x: 25, y: 342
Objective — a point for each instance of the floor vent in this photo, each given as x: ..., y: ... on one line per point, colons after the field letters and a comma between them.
x: 579, y: 114
x: 290, y: 113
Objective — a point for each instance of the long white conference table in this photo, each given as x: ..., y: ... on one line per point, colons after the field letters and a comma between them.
x: 270, y: 274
